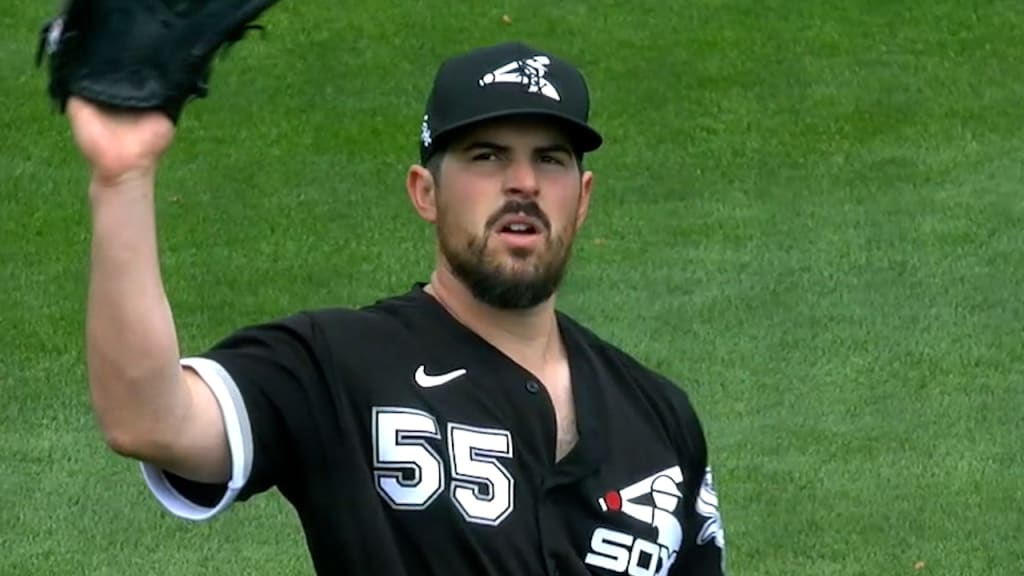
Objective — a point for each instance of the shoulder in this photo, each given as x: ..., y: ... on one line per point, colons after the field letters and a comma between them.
x: 316, y: 332
x: 383, y: 318
x: 665, y: 397
x: 626, y: 364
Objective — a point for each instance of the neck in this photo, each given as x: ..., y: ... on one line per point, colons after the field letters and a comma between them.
x: 530, y: 336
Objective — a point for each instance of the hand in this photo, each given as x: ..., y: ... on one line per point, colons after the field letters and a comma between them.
x: 119, y: 144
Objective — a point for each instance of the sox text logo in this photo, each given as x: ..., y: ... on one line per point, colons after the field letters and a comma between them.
x: 624, y: 553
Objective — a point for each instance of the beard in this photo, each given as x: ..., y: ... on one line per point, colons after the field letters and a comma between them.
x: 515, y: 282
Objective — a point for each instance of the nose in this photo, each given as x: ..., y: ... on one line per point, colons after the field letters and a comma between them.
x: 521, y: 179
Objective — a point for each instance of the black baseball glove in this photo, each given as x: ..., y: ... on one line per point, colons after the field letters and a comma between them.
x: 141, y: 54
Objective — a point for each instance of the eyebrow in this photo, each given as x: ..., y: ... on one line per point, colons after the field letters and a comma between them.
x: 487, y: 145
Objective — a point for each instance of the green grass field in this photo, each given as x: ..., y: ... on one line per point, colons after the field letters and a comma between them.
x: 808, y: 212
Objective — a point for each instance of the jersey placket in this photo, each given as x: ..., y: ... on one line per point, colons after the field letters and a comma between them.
x: 555, y: 503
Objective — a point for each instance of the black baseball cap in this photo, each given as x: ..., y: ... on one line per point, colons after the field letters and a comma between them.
x: 504, y: 80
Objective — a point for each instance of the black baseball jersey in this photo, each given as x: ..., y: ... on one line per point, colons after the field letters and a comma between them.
x: 408, y: 445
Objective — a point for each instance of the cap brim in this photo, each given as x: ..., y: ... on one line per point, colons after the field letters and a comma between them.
x: 583, y: 137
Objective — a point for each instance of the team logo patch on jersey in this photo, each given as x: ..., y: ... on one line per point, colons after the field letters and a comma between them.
x: 653, y: 501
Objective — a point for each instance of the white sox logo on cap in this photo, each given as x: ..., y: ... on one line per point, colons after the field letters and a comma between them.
x: 505, y: 80
x: 528, y: 72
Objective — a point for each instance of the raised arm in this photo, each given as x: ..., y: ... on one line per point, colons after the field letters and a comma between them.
x: 148, y: 407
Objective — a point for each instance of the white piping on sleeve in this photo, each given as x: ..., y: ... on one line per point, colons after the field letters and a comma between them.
x: 239, y: 432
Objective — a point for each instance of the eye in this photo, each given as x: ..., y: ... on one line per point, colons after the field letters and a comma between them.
x: 484, y: 156
x: 552, y: 159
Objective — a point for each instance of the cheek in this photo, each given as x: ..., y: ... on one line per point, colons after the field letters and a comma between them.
x: 458, y: 217
x: 567, y: 210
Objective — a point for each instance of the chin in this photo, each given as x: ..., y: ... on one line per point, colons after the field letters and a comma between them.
x: 510, y: 283
x: 518, y: 266
x: 518, y: 276
x: 503, y: 276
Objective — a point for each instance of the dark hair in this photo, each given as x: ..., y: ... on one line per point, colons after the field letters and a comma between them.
x: 433, y: 165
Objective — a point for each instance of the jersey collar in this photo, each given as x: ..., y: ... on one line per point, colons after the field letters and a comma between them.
x: 588, y: 382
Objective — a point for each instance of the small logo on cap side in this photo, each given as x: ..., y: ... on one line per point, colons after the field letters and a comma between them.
x: 425, y: 135
x: 529, y: 72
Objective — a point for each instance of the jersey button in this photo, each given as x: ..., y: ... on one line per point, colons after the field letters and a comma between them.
x: 532, y: 386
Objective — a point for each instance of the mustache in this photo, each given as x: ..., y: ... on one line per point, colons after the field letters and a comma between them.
x: 531, y: 209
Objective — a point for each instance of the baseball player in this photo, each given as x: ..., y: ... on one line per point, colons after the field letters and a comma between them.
x: 464, y: 427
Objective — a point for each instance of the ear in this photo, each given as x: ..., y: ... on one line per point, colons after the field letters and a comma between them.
x: 419, y: 183
x: 586, y: 184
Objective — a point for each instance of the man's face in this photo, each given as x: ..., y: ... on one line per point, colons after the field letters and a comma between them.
x: 510, y: 197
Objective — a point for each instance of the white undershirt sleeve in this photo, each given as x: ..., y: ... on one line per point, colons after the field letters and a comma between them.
x: 239, y: 432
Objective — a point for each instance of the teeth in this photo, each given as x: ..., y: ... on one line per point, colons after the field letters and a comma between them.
x: 519, y: 227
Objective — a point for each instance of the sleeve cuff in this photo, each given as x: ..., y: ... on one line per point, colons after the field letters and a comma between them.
x: 239, y: 433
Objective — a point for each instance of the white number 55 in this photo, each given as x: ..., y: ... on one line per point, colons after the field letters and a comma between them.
x: 410, y: 474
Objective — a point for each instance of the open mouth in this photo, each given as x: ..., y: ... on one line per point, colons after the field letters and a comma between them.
x: 519, y: 228
x: 519, y: 225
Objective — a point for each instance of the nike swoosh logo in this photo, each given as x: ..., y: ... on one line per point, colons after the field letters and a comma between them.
x: 431, y: 380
